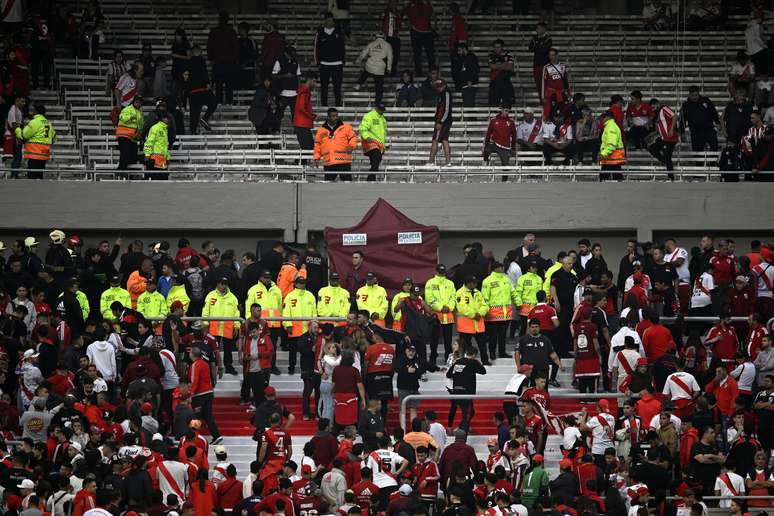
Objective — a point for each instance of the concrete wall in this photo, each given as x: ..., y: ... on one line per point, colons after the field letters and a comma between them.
x: 236, y: 215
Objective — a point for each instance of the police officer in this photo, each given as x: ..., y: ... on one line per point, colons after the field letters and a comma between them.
x: 37, y: 137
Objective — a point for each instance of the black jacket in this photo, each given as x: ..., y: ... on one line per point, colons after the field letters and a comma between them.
x: 565, y: 484
x: 305, y: 347
x: 59, y: 258
x: 199, y: 76
x: 250, y: 276
x: 73, y: 314
x: 406, y: 380
x: 287, y: 65
x: 419, y: 327
x: 625, y: 269
x: 260, y: 106
x: 316, y: 271
x: 368, y: 425
x: 463, y: 374
x: 329, y: 47
x: 465, y: 69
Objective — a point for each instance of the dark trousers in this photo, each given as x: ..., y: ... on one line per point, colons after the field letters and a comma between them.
x: 276, y: 334
x: 311, y: 385
x: 587, y: 146
x: 228, y: 346
x: 292, y: 344
x: 587, y: 384
x: 127, y: 150
x: 469, y: 96
x: 467, y: 411
x: 700, y: 138
x: 395, y: 43
x: 198, y: 101
x: 305, y: 139
x: 165, y: 408
x: 637, y: 135
x: 224, y: 75
x: 501, y: 90
x: 445, y: 333
x: 202, y: 406
x: 155, y: 174
x: 344, y: 167
x: 375, y: 157
x: 257, y: 382
x: 330, y: 73
x: 662, y: 151
x: 496, y: 331
x: 761, y: 61
x: 548, y: 153
x: 35, y: 168
x: 467, y: 341
x: 282, y: 104
x: 42, y: 61
x: 378, y: 84
x: 562, y: 342
x: 607, y: 173
x: 422, y: 41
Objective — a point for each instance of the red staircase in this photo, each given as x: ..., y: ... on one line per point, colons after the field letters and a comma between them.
x: 233, y: 420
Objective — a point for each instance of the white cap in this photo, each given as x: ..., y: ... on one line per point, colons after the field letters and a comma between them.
x: 157, y: 437
x: 2, y: 246
x: 529, y: 110
x: 31, y: 241
x: 220, y: 450
x: 26, y: 484
x: 77, y: 446
x: 30, y: 353
x: 405, y: 490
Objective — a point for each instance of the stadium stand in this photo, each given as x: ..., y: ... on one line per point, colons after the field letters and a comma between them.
x: 650, y: 437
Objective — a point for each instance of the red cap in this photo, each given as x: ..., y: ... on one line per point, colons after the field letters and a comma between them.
x: 537, y: 458
x: 13, y: 502
x: 565, y: 464
x: 642, y: 361
x: 146, y: 408
x: 637, y: 276
x: 176, y: 305
x: 525, y: 368
x: 767, y: 255
x: 270, y: 391
x: 306, y: 468
x: 130, y: 513
x: 604, y: 405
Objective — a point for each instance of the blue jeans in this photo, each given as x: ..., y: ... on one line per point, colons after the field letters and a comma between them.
x: 326, y: 396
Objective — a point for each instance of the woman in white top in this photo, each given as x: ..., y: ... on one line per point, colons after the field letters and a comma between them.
x: 22, y: 299
x: 328, y: 362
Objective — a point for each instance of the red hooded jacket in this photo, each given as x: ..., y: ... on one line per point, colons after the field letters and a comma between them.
x: 303, y: 115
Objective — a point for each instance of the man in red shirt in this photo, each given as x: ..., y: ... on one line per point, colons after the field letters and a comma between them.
x: 427, y: 477
x: 379, y: 369
x: 500, y: 137
x: 534, y: 426
x: 726, y: 391
x: 230, y: 489
x: 724, y: 268
x: 366, y: 492
x: 755, y: 339
x: 269, y: 504
x: 666, y: 121
x: 546, y: 314
x: 420, y: 14
x: 256, y: 356
x: 303, y: 113
x: 724, y: 342
x: 639, y: 116
x: 657, y: 339
x: 202, y: 393
x: 275, y: 449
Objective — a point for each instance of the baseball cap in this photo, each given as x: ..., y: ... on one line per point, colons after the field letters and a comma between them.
x: 742, y: 279
x: 31, y: 241
x: 146, y: 408
x: 157, y: 437
x: 115, y: 278
x: 636, y: 263
x: 529, y: 110
x: 587, y: 291
x: 30, y: 353
x: 565, y: 464
x: 440, y: 268
x: 220, y: 450
x: 370, y: 275
x: 642, y: 362
x: 411, y: 346
x: 176, y: 305
x: 408, y: 279
x: 460, y: 435
x: 270, y: 391
x: 416, y: 289
x: 29, y: 484
x: 334, y: 275
x: 380, y: 105
x: 604, y: 405
x: 525, y: 368
x: 537, y: 458
x: 306, y: 468
x: 405, y: 490
x: 223, y: 279
x: 300, y: 279
x: 265, y: 274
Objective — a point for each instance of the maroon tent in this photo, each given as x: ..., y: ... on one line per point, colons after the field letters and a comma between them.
x: 394, y: 246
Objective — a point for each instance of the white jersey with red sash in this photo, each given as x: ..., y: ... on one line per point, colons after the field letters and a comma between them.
x: 625, y: 361
x: 554, y: 77
x: 173, y: 479
x: 679, y: 387
x: 665, y: 117
x: 602, y: 432
x: 764, y: 274
x: 730, y: 485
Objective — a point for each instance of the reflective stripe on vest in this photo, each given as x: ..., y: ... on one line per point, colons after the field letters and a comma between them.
x: 500, y: 313
x: 125, y: 132
x: 445, y: 317
x: 468, y: 325
x: 39, y: 151
x: 617, y: 157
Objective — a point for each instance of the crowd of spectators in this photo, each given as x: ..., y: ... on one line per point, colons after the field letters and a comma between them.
x: 110, y: 390
x: 193, y: 79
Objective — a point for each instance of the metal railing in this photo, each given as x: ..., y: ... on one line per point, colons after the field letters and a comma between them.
x: 514, y: 397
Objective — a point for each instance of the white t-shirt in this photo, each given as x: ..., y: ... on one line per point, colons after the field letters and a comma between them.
x: 682, y: 271
x: 602, y: 435
x: 619, y: 339
x: 744, y: 374
x: 736, y: 481
x: 438, y: 433
x: 701, y: 289
x: 514, y: 272
x: 570, y: 436
x: 547, y: 131
x: 655, y: 423
x: 686, y: 511
x: 384, y: 464
x: 675, y: 392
